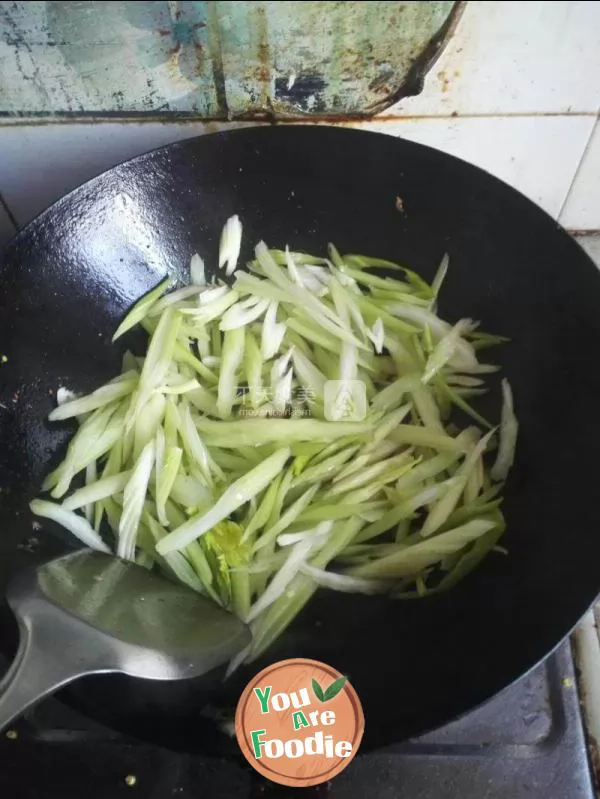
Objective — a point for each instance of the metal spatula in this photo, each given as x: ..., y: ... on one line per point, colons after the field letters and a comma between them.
x: 91, y: 613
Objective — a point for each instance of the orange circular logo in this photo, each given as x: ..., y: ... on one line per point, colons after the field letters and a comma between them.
x: 299, y: 722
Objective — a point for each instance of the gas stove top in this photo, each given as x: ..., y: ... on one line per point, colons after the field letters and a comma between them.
x: 527, y: 742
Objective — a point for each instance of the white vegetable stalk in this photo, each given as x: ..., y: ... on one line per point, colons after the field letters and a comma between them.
x: 240, y: 316
x: 283, y: 391
x: 292, y: 268
x: 71, y: 521
x: 308, y: 374
x: 377, y: 335
x: 166, y: 478
x: 445, y: 349
x: 230, y: 244
x: 197, y: 276
x: 287, y: 519
x: 214, y: 308
x: 272, y: 332
x: 175, y: 298
x: 313, y: 278
x: 317, y: 534
x: 134, y: 497
x: 321, y: 313
x: 282, y: 579
x: 194, y: 446
x: 343, y: 582
x: 141, y: 308
x: 96, y: 491
x: 231, y: 360
x: 97, y: 399
x: 213, y: 294
x: 65, y: 395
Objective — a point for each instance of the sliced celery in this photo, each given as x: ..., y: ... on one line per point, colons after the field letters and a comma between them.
x: 141, y: 308
x: 215, y: 458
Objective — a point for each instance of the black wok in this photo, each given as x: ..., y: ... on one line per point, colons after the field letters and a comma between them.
x: 69, y: 276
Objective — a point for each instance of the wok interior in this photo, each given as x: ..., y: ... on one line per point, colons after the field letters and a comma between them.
x: 68, y: 278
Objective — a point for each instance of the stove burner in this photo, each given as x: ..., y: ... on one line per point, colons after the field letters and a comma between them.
x: 527, y: 742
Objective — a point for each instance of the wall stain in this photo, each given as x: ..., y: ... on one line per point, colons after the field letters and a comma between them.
x: 217, y: 60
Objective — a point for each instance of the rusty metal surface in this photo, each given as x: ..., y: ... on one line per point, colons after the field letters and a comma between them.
x: 215, y: 60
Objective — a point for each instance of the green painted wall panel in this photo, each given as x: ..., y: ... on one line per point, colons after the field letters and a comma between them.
x: 213, y: 59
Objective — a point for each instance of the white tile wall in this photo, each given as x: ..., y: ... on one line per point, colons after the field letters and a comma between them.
x: 516, y: 91
x: 516, y: 58
x: 538, y: 155
x: 591, y: 244
x: 40, y: 163
x: 582, y: 206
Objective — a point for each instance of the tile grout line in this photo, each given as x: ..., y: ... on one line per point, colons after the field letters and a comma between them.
x: 144, y: 117
x: 586, y: 149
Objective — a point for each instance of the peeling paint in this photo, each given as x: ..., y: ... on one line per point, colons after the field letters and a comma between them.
x: 215, y: 60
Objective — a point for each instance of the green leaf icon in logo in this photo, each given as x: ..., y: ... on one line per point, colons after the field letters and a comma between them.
x: 331, y: 692
x: 318, y: 691
x: 335, y: 688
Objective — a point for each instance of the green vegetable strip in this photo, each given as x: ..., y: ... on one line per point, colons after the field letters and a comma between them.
x: 133, y: 502
x: 413, y: 559
x: 194, y: 446
x: 326, y: 469
x: 426, y: 407
x: 203, y: 401
x: 384, y: 472
x: 426, y: 470
x: 147, y: 423
x: 141, y: 308
x: 214, y: 457
x: 402, y: 511
x: 98, y: 399
x: 237, y: 494
x: 166, y: 479
x: 262, y: 431
x: 321, y: 513
x: 97, y: 435
x: 308, y: 374
x: 175, y: 561
x: 253, y: 364
x: 425, y: 437
x: 157, y: 362
x: 391, y: 396
x: 444, y: 507
x: 300, y: 590
x: 264, y: 511
x: 106, y: 487
x: 233, y: 354
x: 445, y: 349
x: 287, y: 518
x: 509, y: 428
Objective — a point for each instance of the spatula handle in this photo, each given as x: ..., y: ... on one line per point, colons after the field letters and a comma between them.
x: 36, y: 672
